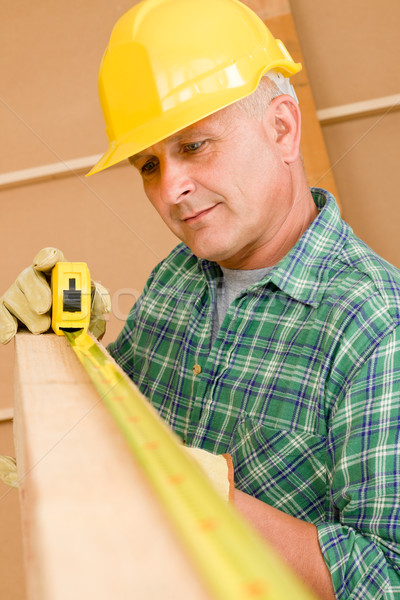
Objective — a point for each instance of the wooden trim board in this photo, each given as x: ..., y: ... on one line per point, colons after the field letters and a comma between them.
x: 45, y: 172
x: 315, y: 156
x: 356, y: 110
x: 91, y: 527
x: 6, y: 414
x: 77, y: 166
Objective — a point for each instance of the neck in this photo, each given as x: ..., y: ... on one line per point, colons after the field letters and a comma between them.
x: 287, y: 233
x: 299, y: 218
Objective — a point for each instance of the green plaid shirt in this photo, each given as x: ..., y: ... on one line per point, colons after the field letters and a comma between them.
x: 301, y: 387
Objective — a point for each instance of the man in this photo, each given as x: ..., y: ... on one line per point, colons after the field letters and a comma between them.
x: 271, y: 332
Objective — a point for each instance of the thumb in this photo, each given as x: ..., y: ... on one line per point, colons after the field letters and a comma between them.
x: 46, y: 258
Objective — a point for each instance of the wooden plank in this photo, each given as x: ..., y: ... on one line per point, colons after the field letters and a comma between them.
x: 12, y: 580
x: 267, y: 9
x: 6, y: 414
x: 76, y: 166
x: 355, y: 110
x: 91, y: 526
x: 46, y: 172
x: 315, y: 156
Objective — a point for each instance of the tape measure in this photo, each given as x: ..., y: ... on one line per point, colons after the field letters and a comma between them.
x: 70, y: 284
x: 231, y: 558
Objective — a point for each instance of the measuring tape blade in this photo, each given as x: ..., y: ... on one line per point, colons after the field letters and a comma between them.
x: 233, y: 560
x: 230, y: 556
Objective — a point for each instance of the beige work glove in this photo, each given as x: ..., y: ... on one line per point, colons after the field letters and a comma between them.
x: 29, y: 299
x: 218, y: 468
x: 8, y: 471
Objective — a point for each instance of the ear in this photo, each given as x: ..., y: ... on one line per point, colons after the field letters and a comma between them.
x: 285, y: 119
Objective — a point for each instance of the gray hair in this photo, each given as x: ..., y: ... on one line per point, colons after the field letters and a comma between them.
x: 271, y: 86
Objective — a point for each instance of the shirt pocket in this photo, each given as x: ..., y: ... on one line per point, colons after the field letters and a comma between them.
x: 286, y: 469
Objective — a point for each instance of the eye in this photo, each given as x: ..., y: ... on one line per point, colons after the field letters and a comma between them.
x: 192, y: 146
x: 149, y: 166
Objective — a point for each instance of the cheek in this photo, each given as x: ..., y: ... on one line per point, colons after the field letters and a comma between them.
x: 154, y: 197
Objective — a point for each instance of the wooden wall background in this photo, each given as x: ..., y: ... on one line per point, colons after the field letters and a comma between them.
x: 49, y: 113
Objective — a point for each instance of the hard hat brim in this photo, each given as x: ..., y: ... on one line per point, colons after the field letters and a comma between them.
x: 179, y: 118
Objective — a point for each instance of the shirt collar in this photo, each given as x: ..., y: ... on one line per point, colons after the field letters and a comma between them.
x: 299, y: 274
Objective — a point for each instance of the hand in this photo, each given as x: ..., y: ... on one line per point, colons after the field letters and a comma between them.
x: 101, y: 305
x: 218, y: 468
x: 29, y: 299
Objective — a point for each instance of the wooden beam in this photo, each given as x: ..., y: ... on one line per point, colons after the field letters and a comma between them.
x: 325, y: 116
x: 46, y: 172
x: 267, y: 9
x: 6, y: 414
x: 91, y: 526
x: 315, y: 156
x: 355, y: 110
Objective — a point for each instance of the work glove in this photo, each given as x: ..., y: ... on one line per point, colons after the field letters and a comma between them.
x: 8, y: 471
x: 29, y: 299
x: 218, y: 468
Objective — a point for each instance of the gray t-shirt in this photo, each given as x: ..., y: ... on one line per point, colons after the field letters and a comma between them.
x: 234, y: 281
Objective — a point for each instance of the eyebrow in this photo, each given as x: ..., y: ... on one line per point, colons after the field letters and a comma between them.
x: 135, y: 157
x: 175, y: 137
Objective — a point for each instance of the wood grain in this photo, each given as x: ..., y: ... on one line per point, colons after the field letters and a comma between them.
x: 91, y: 526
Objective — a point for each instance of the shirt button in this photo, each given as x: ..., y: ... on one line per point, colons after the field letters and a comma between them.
x: 197, y: 369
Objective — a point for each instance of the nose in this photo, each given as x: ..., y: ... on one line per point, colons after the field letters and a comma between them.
x: 175, y: 181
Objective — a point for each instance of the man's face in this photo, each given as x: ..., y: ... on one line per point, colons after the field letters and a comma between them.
x: 220, y: 185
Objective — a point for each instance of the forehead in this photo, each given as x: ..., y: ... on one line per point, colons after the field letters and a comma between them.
x: 212, y: 124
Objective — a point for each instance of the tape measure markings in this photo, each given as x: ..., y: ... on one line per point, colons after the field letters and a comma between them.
x: 233, y: 560
x: 231, y: 557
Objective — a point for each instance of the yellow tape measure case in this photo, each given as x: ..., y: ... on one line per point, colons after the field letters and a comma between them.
x: 70, y: 284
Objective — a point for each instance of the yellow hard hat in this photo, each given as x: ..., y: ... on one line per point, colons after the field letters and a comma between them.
x: 170, y: 63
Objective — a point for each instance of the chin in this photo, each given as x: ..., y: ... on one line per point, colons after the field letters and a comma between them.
x: 208, y: 254
x: 209, y: 250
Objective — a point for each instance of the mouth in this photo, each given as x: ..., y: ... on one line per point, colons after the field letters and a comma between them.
x: 195, y: 217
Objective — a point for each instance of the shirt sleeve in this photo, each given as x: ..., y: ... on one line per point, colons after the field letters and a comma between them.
x: 362, y: 545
